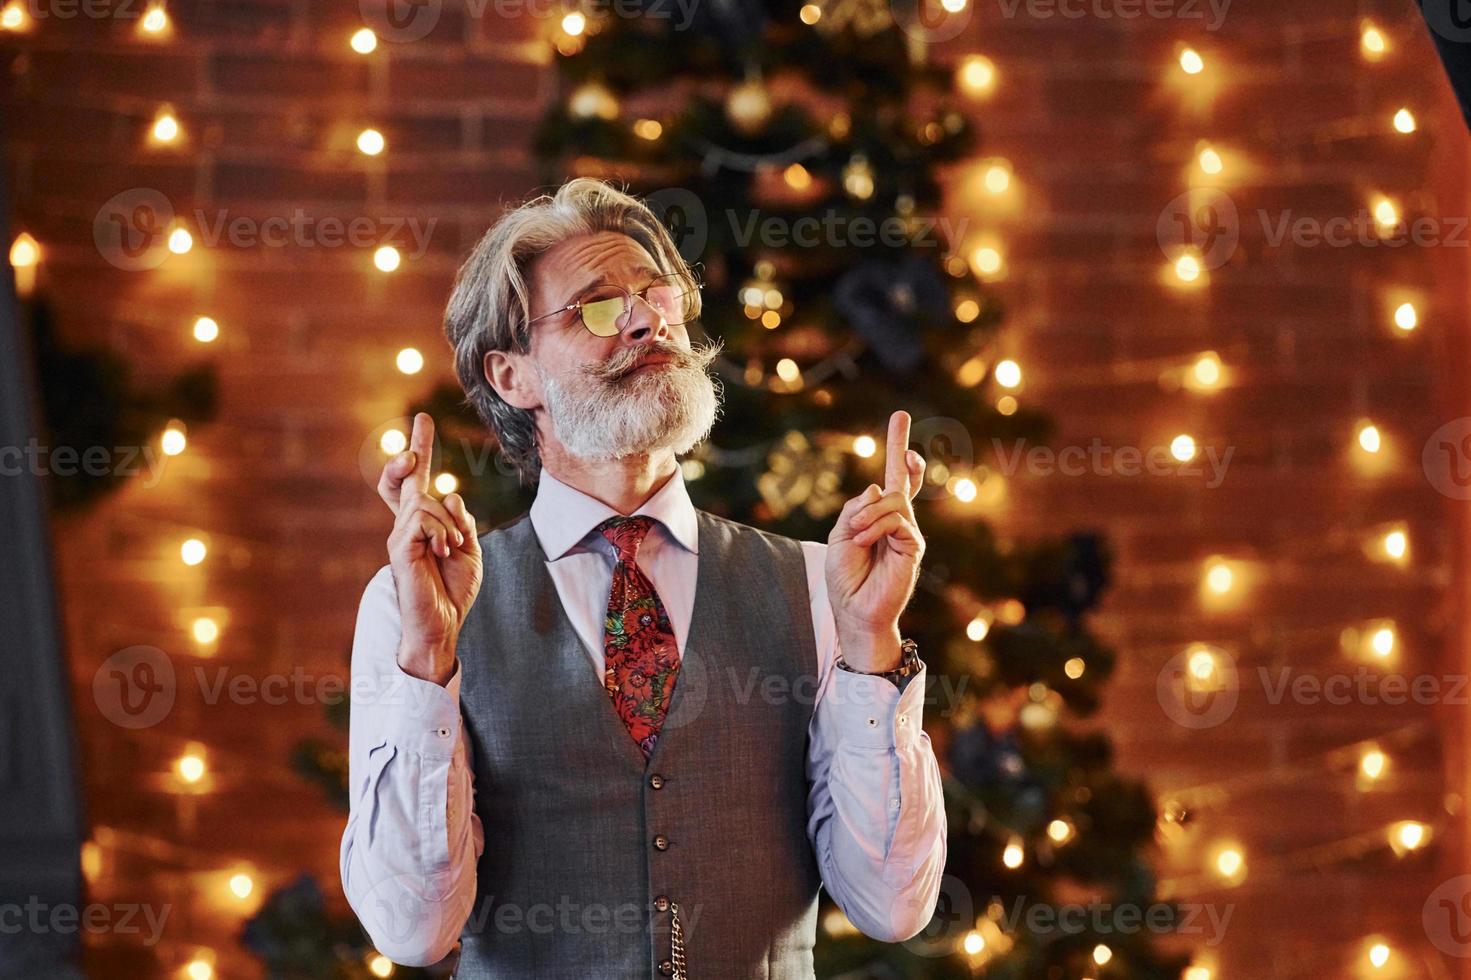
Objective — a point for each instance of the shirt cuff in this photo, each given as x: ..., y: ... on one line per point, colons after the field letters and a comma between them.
x: 412, y: 713
x: 869, y: 710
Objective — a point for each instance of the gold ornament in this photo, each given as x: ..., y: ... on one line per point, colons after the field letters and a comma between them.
x: 802, y: 476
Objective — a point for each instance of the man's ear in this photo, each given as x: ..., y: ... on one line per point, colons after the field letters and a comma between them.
x: 513, y: 377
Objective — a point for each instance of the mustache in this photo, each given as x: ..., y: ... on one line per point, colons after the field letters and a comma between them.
x: 698, y: 358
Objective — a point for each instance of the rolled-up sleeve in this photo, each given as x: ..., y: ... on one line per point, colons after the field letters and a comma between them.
x: 412, y: 840
x: 876, y: 813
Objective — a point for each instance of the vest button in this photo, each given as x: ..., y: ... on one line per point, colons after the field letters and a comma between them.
x: 661, y: 842
x: 656, y: 781
x: 662, y: 903
x: 666, y: 968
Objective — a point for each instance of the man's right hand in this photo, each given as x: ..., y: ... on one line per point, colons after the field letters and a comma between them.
x: 435, y: 557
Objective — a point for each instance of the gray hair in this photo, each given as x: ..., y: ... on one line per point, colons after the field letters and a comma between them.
x: 490, y: 305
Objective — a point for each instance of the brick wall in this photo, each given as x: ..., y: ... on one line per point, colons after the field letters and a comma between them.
x: 1100, y: 126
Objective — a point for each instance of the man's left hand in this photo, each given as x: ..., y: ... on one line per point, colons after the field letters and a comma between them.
x: 873, y: 557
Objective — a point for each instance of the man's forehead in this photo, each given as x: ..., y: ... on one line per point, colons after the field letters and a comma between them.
x: 590, y: 260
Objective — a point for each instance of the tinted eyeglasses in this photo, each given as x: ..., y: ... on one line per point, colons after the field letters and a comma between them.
x: 604, y: 310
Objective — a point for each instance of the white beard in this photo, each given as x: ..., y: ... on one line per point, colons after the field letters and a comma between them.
x: 604, y: 416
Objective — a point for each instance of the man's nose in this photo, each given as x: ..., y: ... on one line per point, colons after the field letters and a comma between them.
x: 645, y: 324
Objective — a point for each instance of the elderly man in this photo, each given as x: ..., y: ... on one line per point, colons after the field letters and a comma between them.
x: 620, y: 736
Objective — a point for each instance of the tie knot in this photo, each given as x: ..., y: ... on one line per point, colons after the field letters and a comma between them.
x: 626, y: 534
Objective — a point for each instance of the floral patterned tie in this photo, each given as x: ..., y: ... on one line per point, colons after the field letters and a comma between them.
x: 639, y: 652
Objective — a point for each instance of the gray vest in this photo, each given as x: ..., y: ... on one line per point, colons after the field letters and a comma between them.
x: 587, y: 847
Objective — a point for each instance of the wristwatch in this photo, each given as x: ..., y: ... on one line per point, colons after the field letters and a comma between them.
x: 909, y: 664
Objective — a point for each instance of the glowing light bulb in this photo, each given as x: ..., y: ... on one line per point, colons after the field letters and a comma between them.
x: 1210, y: 161
x: 166, y: 127
x: 1378, y: 955
x: 409, y: 361
x: 1219, y: 578
x: 1187, y: 268
x: 1372, y: 42
x: 1373, y: 763
x: 1381, y: 641
x: 445, y: 483
x: 155, y: 21
x: 652, y: 129
x: 205, y: 630
x: 180, y: 241
x: 24, y: 252
x: 13, y: 17
x: 997, y: 177
x: 173, y: 440
x: 574, y: 24
x: 371, y: 142
x: 1074, y: 667
x: 1183, y: 448
x: 977, y: 75
x: 865, y: 446
x: 387, y: 258
x: 1369, y: 439
x: 1406, y: 317
x: 977, y: 629
x: 364, y: 41
x: 1206, y: 371
x: 192, y: 551
x: 1404, y: 121
x: 1191, y: 62
x: 206, y: 330
x: 241, y: 885
x: 810, y: 13
x: 787, y: 370
x: 953, y: 6
x: 1197, y: 973
x: 1008, y: 374
x: 393, y: 442
x: 1386, y: 215
x: 1409, y: 835
x: 380, y: 965
x: 1013, y: 856
x: 191, y: 767
x: 986, y: 260
x: 965, y: 490
x: 1102, y: 954
x: 1059, y: 830
x: 1396, y: 544
x: 1230, y: 862
x: 199, y: 968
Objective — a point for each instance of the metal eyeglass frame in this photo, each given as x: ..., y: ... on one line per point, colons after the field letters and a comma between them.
x: 692, y: 286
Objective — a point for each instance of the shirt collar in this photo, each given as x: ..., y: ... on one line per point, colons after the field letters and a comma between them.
x: 562, y: 516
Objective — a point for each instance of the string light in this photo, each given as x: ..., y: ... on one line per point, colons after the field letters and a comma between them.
x: 1404, y: 121
x: 977, y: 75
x: 1205, y: 373
x: 574, y: 23
x: 1219, y: 578
x: 363, y: 40
x: 205, y: 630
x: 190, y: 766
x: 25, y: 252
x: 206, y: 330
x: 14, y: 18
x: 1197, y: 972
x: 1406, y: 318
x: 1378, y: 955
x: 1102, y: 954
x: 380, y: 965
x: 1368, y: 437
x: 393, y: 442
x: 977, y: 628
x: 997, y: 177
x: 952, y: 6
x: 1188, y: 268
x: 1381, y: 641
x: 1014, y: 855
x: 173, y: 440
x: 371, y: 142
x: 166, y: 128
x: 1408, y: 835
x: 787, y: 370
x: 180, y: 241
x: 192, y: 551
x: 1396, y: 544
x: 810, y: 13
x: 865, y: 446
x: 387, y: 258
x: 155, y: 22
x: 1183, y: 448
x: 1372, y: 42
x: 1074, y: 667
x: 966, y: 311
x: 445, y: 483
x: 987, y: 261
x: 1386, y: 215
x: 651, y: 129
x: 409, y: 361
x: 1372, y: 764
x: 241, y: 885
x: 1059, y: 831
x: 1209, y: 160
x: 1191, y: 62
x: 965, y: 490
x: 1229, y: 863
x: 199, y: 968
x: 1008, y: 374
x: 1203, y: 668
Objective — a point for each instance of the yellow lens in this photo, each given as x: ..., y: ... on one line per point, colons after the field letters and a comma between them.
x: 601, y: 316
